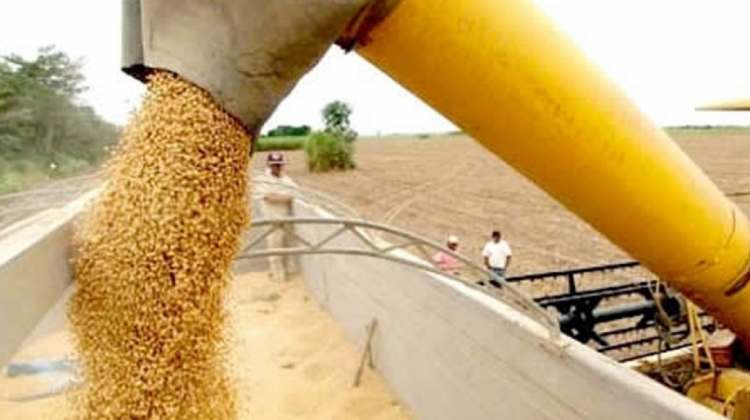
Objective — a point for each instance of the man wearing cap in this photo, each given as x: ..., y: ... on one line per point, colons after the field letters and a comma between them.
x: 276, y: 190
x: 446, y: 262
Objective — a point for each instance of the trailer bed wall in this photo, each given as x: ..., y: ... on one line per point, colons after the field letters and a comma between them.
x: 34, y: 272
x: 451, y: 352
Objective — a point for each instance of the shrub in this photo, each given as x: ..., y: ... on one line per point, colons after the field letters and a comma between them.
x: 333, y: 148
x: 328, y: 150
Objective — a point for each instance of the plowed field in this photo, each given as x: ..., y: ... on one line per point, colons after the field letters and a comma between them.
x: 451, y: 185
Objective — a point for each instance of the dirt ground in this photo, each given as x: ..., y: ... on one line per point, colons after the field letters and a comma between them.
x: 444, y: 185
x: 451, y: 185
x: 290, y: 360
x: 22, y: 205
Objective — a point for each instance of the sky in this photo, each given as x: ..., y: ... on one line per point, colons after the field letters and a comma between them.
x: 667, y: 55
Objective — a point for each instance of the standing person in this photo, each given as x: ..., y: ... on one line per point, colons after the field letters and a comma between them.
x: 276, y: 190
x: 497, y: 255
x: 446, y: 262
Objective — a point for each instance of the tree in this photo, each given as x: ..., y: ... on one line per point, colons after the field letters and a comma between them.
x: 45, y: 127
x: 336, y: 118
x: 336, y: 114
x: 52, y: 70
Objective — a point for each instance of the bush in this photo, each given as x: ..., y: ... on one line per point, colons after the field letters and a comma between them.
x: 22, y: 174
x: 333, y: 148
x: 69, y: 166
x: 328, y: 150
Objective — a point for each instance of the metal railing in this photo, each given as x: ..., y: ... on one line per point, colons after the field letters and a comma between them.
x: 369, y: 245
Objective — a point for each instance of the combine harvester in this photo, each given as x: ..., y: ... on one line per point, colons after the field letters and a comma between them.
x: 448, y: 347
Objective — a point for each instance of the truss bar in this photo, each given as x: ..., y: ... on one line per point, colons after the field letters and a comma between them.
x: 255, y: 241
x: 518, y: 300
x: 506, y: 293
x: 294, y: 235
x: 424, y: 252
x: 402, y: 246
x: 362, y: 237
x: 330, y: 237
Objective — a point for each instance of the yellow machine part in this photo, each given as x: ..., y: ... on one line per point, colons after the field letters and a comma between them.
x: 728, y: 393
x: 503, y: 73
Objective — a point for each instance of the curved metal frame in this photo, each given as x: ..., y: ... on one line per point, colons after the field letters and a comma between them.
x: 373, y: 247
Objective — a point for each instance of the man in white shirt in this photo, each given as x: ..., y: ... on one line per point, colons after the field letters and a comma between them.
x: 497, y: 255
x: 276, y: 190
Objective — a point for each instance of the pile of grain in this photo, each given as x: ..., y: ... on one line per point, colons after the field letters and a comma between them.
x: 152, y: 265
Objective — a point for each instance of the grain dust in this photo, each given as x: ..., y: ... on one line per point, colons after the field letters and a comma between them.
x: 153, y: 260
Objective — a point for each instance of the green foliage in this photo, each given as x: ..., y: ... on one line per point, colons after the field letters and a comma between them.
x: 290, y: 131
x: 336, y: 118
x: 327, y: 151
x: 332, y: 148
x: 336, y: 114
x: 45, y: 129
x: 265, y: 144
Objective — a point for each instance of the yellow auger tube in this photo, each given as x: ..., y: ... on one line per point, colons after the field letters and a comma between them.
x: 501, y: 71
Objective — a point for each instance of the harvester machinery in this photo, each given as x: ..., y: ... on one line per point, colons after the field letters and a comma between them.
x: 502, y: 72
x: 621, y: 310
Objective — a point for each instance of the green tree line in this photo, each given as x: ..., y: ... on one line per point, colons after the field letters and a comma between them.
x: 290, y: 131
x: 46, y: 129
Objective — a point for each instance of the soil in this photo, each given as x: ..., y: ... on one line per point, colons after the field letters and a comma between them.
x: 290, y: 360
x: 444, y: 185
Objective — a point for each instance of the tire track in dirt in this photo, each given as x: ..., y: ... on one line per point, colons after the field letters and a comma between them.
x: 521, y: 217
x: 424, y: 190
x: 544, y: 235
x: 532, y: 254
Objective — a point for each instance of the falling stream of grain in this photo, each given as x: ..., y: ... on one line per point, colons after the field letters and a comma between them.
x: 153, y: 260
